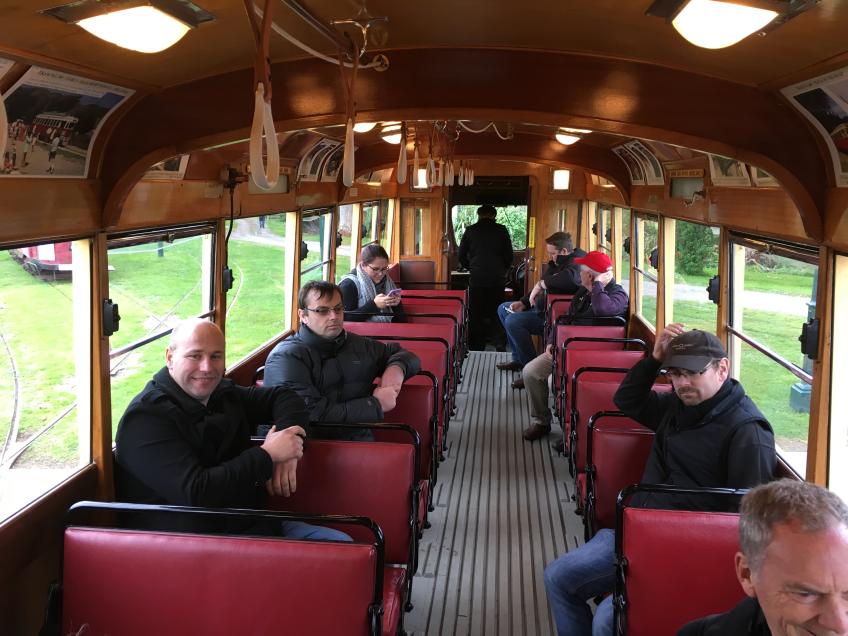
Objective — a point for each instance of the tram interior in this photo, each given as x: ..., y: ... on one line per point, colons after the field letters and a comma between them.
x: 133, y: 195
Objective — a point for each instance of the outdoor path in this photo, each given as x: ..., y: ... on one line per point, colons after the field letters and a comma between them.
x: 763, y: 301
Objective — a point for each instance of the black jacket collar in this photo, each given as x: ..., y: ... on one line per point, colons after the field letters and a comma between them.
x: 327, y: 347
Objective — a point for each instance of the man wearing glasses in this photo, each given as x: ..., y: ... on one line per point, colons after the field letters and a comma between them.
x: 333, y: 370
x: 708, y: 434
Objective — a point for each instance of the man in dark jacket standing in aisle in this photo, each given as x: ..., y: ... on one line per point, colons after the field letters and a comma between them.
x: 333, y: 370
x: 185, y: 439
x: 526, y: 317
x: 708, y: 434
x: 486, y: 252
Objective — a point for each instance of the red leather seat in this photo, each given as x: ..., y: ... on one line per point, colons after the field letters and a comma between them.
x: 617, y: 449
x: 576, y: 359
x: 136, y: 582
x: 370, y: 479
x: 679, y: 567
x: 566, y: 332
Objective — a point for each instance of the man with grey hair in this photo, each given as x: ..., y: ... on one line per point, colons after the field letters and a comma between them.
x: 185, y: 439
x: 525, y: 317
x: 793, y: 565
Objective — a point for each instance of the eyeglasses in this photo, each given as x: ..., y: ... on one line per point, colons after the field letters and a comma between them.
x: 678, y: 374
x: 377, y: 270
x: 324, y: 311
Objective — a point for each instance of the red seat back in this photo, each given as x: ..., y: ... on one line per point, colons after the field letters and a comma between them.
x: 369, y: 479
x: 415, y: 408
x: 617, y: 450
x: 565, y: 332
x: 590, y: 397
x: 580, y: 358
x: 378, y: 329
x: 139, y: 583
x: 679, y: 567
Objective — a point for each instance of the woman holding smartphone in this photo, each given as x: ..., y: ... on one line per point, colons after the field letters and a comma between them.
x: 368, y: 293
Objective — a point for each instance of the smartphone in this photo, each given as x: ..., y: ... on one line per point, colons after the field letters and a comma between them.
x: 395, y: 292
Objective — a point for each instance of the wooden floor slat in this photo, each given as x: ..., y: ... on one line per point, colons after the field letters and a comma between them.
x: 503, y: 511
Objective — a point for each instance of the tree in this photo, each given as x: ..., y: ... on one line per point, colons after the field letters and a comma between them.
x: 697, y: 248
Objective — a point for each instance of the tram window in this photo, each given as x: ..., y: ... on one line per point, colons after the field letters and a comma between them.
x: 514, y: 217
x: 257, y: 305
x: 772, y: 295
x: 315, y: 230
x: 645, y: 273
x: 623, y: 239
x: 415, y: 227
x: 375, y: 218
x: 345, y: 258
x: 157, y: 279
x: 838, y: 464
x: 45, y: 342
x: 603, y: 228
x: 695, y: 262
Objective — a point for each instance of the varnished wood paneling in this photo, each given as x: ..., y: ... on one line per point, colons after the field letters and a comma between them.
x: 47, y: 208
x: 152, y: 203
x: 30, y: 545
x: 836, y: 217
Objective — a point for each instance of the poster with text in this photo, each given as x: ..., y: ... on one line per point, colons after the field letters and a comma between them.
x: 634, y: 165
x: 823, y: 101
x: 54, y: 119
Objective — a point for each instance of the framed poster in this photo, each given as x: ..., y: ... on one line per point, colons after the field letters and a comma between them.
x: 823, y: 101
x: 728, y: 172
x: 634, y: 166
x: 763, y: 179
x: 310, y: 165
x: 172, y: 169
x: 651, y: 166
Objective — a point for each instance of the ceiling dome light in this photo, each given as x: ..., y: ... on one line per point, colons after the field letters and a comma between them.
x: 575, y: 131
x: 711, y: 24
x: 567, y: 140
x: 144, y: 29
x: 390, y: 132
x: 364, y: 127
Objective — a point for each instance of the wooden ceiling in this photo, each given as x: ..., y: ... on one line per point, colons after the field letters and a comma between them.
x: 608, y: 28
x: 597, y: 64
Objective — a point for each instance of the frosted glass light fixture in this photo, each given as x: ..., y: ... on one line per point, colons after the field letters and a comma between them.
x: 712, y: 24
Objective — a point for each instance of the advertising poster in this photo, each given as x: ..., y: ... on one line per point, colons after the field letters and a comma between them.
x: 634, y: 166
x: 54, y: 118
x: 728, y: 172
x: 823, y: 101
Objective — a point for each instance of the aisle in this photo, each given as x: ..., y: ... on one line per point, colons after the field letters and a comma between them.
x: 503, y: 511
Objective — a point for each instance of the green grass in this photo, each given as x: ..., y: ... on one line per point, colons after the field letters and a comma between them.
x: 789, y: 282
x: 35, y: 319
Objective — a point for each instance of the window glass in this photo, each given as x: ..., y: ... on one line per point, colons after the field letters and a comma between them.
x: 772, y: 296
x: 156, y: 281
x: 695, y: 262
x: 345, y: 258
x: 315, y: 228
x: 624, y: 249
x: 415, y: 227
x: 562, y: 219
x: 257, y: 305
x: 645, y: 271
x: 45, y: 347
x: 513, y: 217
x: 375, y: 218
x: 603, y: 229
x: 561, y: 179
x: 838, y: 464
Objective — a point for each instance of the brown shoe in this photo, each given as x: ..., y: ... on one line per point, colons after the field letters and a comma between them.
x: 518, y: 383
x: 509, y: 366
x: 537, y: 431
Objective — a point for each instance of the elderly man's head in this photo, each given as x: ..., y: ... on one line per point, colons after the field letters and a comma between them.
x: 195, y: 357
x: 794, y: 558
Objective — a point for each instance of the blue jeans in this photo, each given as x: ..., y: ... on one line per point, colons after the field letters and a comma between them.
x: 579, y: 576
x: 303, y: 530
x: 519, y: 326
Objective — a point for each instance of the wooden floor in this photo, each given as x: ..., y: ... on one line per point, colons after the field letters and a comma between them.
x: 503, y: 511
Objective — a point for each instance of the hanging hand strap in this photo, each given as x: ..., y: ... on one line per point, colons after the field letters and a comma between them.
x: 349, y: 89
x: 264, y: 176
x: 4, y: 126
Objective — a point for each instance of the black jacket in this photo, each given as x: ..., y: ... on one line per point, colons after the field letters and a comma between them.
x: 561, y: 277
x: 171, y: 449
x: 354, y: 313
x: 335, y: 377
x: 746, y: 619
x: 724, y: 442
x: 486, y: 252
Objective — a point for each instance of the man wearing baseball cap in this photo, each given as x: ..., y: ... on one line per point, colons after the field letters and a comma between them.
x: 708, y: 434
x: 598, y: 296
